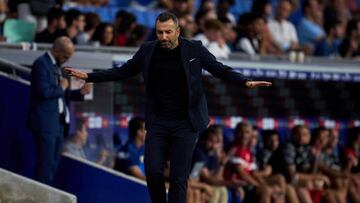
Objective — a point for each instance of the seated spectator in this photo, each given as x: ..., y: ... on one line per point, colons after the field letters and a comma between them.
x: 103, y: 35
x: 3, y: 16
x: 252, y: 37
x: 271, y: 161
x: 263, y: 8
x: 350, y: 46
x: 212, y: 39
x: 310, y: 29
x: 330, y: 164
x: 75, y: 24
x: 33, y: 12
x: 203, y: 15
x: 329, y: 46
x: 125, y: 22
x: 92, y: 20
x: 137, y: 36
x: 319, y: 141
x: 75, y: 145
x: 209, y: 152
x: 223, y: 7
x: 229, y: 33
x: 182, y: 7
x: 300, y: 166
x: 352, y: 165
x: 277, y: 181
x: 242, y: 166
x: 188, y: 27
x: 283, y: 31
x: 336, y: 10
x: 130, y: 158
x: 56, y: 21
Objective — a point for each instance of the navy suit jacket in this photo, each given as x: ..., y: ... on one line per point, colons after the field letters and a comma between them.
x: 44, y: 116
x: 194, y: 57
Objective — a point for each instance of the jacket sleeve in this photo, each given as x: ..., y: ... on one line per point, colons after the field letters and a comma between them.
x: 42, y: 84
x: 226, y: 73
x: 131, y: 68
x: 75, y: 95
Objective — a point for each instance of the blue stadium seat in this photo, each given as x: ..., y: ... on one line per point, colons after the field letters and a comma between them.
x: 104, y: 14
x: 119, y: 3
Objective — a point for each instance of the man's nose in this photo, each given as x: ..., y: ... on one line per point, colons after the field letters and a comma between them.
x: 163, y: 37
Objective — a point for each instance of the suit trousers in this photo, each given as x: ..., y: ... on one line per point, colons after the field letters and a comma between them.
x: 48, y: 148
x: 173, y: 140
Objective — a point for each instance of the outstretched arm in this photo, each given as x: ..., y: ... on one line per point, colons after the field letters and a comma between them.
x: 209, y: 63
x: 130, y: 68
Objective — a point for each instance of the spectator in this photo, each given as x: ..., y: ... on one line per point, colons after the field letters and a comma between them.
x: 202, y: 16
x: 182, y: 7
x: 208, y: 5
x: 75, y: 145
x: 300, y: 165
x: 283, y: 31
x: 137, y: 36
x: 34, y: 11
x: 336, y: 10
x: 3, y: 16
x: 330, y: 164
x: 242, y: 165
x: 56, y: 21
x: 229, y: 33
x: 352, y: 165
x: 209, y: 152
x: 350, y: 46
x: 92, y: 20
x: 272, y: 162
x: 104, y: 35
x: 49, y: 111
x: 130, y: 158
x: 252, y: 37
x: 277, y: 181
x: 124, y: 24
x: 263, y: 8
x: 213, y: 40
x: 310, y: 29
x: 223, y: 7
x: 188, y: 26
x: 75, y: 24
x: 329, y: 46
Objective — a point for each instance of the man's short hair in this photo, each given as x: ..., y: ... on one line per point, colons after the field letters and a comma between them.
x: 165, y: 16
x: 54, y: 14
x: 213, y: 24
x: 71, y: 15
x: 135, y: 124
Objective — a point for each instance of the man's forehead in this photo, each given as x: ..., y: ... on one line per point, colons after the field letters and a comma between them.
x: 169, y: 24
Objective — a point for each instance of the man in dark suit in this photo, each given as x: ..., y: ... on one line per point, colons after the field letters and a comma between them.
x: 48, y: 113
x: 176, y: 109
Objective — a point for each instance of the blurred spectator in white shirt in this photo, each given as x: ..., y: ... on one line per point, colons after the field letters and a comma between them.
x: 213, y: 40
x: 283, y: 31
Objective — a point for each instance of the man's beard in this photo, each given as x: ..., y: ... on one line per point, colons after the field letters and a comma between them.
x: 166, y: 44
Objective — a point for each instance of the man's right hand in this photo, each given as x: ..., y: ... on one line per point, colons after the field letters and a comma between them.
x: 76, y: 73
x: 64, y: 83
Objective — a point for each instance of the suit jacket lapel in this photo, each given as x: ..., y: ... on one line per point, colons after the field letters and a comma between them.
x: 147, y: 61
x: 185, y: 60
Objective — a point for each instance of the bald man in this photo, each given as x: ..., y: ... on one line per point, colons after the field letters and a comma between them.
x: 49, y: 112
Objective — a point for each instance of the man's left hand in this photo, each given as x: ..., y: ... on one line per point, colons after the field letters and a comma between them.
x: 254, y: 84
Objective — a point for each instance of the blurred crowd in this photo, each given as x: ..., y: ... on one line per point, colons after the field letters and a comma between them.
x: 254, y: 165
x: 310, y: 27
